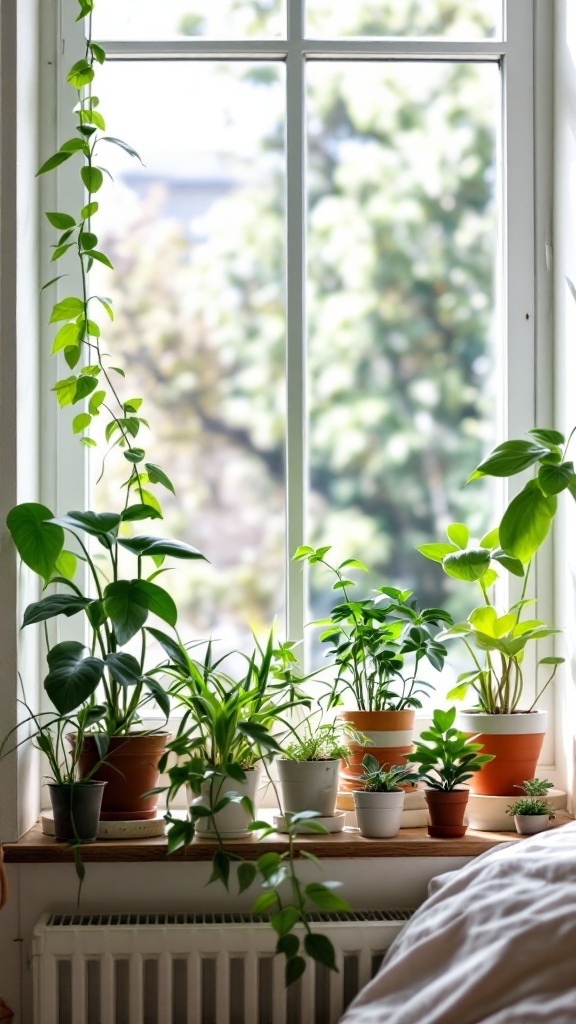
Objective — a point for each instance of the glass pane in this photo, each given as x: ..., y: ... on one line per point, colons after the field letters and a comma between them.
x: 402, y: 253
x: 196, y: 239
x: 446, y: 19
x: 176, y: 19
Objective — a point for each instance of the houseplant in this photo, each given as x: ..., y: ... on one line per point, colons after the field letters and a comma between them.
x: 380, y: 803
x: 377, y: 645
x: 532, y: 812
x: 446, y: 759
x: 309, y: 765
x: 497, y: 644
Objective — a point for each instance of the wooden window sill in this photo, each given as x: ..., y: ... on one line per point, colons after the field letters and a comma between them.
x: 36, y: 848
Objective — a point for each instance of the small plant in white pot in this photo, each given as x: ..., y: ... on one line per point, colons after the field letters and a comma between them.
x: 309, y: 766
x: 532, y: 812
x: 380, y: 804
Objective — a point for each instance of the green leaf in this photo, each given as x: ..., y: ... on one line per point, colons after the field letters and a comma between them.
x: 37, y: 541
x: 510, y: 458
x: 72, y: 357
x: 65, y: 391
x: 80, y: 422
x: 89, y: 210
x: 513, y: 565
x: 59, y: 251
x: 554, y: 479
x: 134, y: 455
x: 158, y: 476
x: 158, y: 693
x: 458, y: 534
x: 95, y: 402
x: 53, y: 161
x: 320, y: 949
x: 159, y: 546
x: 264, y: 902
x: 99, y: 52
x: 246, y: 875
x: 436, y: 552
x: 66, y: 565
x: 127, y: 608
x: 80, y: 74
x: 467, y: 565
x: 100, y: 257
x: 138, y: 512
x: 72, y: 678
x: 84, y: 386
x: 52, y: 281
x: 288, y: 944
x: 124, y: 667
x: 92, y: 178
x: 54, y: 604
x: 88, y: 240
x: 295, y: 967
x: 67, y: 309
x: 547, y: 437
x: 322, y: 896
x: 67, y: 335
x: 172, y: 649
x: 284, y: 920
x: 61, y: 220
x: 526, y: 522
x: 97, y: 524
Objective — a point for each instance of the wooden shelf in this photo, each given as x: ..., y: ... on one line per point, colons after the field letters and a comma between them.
x: 36, y: 848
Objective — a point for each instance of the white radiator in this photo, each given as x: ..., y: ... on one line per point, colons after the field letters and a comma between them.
x: 196, y: 968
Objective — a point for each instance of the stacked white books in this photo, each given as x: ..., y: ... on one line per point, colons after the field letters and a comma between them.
x: 414, y: 815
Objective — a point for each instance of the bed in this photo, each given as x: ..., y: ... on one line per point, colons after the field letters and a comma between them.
x: 495, y: 943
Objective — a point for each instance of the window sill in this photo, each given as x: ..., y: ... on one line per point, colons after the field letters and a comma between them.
x: 36, y: 848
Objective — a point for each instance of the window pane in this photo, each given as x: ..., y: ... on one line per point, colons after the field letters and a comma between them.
x: 175, y: 19
x: 402, y: 254
x: 448, y: 19
x: 196, y: 239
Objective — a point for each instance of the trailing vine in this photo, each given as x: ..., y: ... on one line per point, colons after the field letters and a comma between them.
x: 79, y: 335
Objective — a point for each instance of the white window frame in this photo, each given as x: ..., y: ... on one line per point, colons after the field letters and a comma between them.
x: 525, y: 187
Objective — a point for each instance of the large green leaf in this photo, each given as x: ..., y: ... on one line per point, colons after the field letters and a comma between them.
x: 554, y: 479
x: 172, y: 649
x: 458, y: 534
x: 160, y: 602
x: 526, y: 522
x: 158, y: 546
x: 38, y: 541
x: 54, y: 604
x: 97, y: 524
x: 510, y: 458
x: 436, y: 552
x: 72, y: 678
x: 124, y: 667
x: 127, y: 607
x: 467, y: 565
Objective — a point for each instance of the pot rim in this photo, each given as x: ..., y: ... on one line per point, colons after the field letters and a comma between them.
x: 519, y: 723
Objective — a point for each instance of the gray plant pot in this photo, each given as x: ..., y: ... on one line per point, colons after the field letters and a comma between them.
x: 378, y: 814
x: 308, y: 786
x: 76, y: 810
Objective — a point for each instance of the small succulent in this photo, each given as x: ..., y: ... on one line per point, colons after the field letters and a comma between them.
x: 531, y: 805
x: 536, y: 787
x: 385, y: 778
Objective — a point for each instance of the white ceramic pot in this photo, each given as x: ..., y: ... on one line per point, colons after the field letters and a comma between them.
x: 308, y: 785
x: 530, y: 824
x: 233, y: 820
x: 378, y: 814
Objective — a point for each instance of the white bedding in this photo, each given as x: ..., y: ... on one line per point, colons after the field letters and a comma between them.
x: 495, y: 943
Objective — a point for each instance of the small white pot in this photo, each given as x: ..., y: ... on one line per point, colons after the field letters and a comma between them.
x: 308, y: 786
x: 378, y: 814
x: 530, y: 824
x: 233, y: 820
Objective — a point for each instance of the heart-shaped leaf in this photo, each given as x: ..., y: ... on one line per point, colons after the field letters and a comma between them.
x: 467, y: 565
x: 54, y: 604
x: 38, y: 541
x: 526, y: 522
x: 72, y: 678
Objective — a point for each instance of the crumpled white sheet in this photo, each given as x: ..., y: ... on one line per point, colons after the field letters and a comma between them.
x: 495, y: 943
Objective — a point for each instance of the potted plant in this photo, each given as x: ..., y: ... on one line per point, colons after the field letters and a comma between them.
x: 380, y: 803
x: 446, y: 759
x: 532, y: 812
x: 308, y: 767
x: 497, y: 642
x: 116, y: 608
x: 377, y: 644
x: 225, y: 733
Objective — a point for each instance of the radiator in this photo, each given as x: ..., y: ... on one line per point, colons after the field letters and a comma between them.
x: 196, y: 968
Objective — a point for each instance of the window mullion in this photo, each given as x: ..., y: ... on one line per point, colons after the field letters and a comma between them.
x: 296, y: 462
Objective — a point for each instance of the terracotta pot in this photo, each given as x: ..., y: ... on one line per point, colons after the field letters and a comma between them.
x: 378, y: 814
x: 515, y: 740
x: 391, y: 734
x: 308, y: 785
x: 130, y: 769
x: 76, y: 810
x: 530, y: 824
x: 446, y: 809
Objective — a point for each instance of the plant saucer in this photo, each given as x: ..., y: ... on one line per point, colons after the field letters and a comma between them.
x: 334, y: 823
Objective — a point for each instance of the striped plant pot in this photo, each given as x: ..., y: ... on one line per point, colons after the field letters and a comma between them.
x: 515, y: 740
x: 391, y: 735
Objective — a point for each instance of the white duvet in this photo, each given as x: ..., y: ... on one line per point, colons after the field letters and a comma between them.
x: 495, y: 943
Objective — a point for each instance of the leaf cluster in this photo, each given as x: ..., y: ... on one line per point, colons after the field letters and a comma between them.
x: 321, y: 741
x: 531, y: 805
x: 385, y: 778
x: 377, y: 643
x: 447, y: 758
